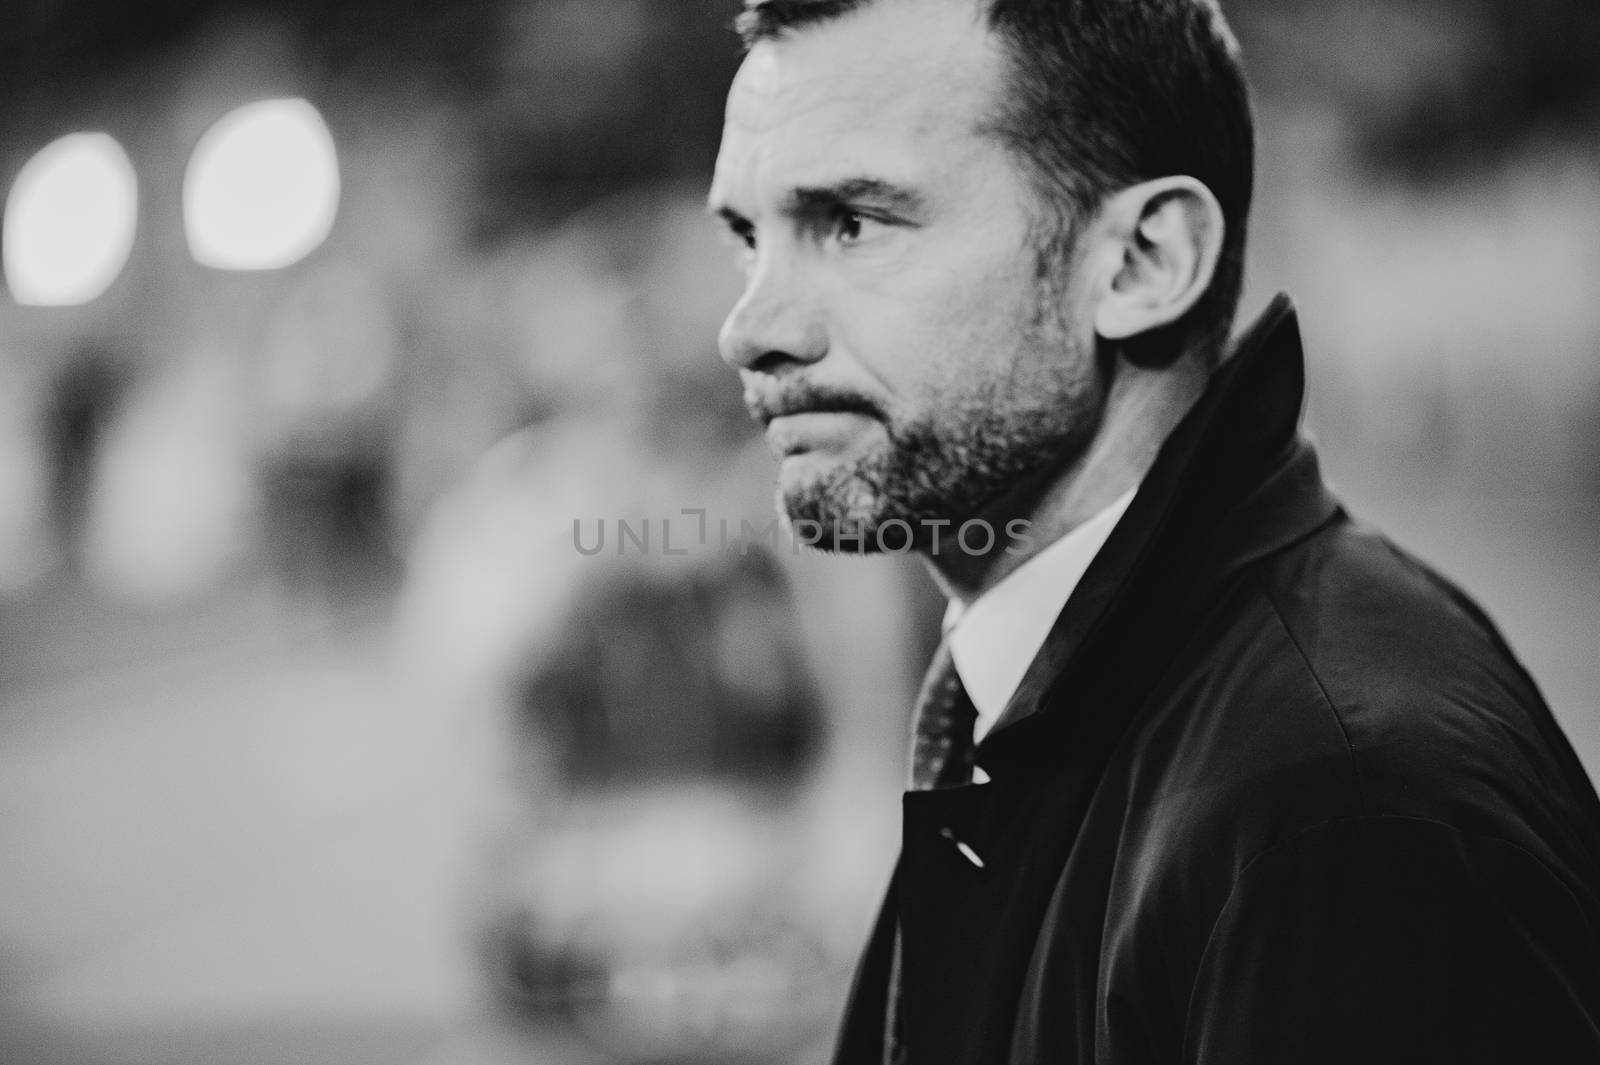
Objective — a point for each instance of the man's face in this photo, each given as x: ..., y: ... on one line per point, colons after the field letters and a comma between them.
x: 896, y: 335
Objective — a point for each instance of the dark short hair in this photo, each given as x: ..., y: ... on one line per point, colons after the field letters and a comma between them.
x: 1105, y: 94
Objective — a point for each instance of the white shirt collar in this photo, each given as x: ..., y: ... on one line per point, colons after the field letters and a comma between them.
x: 995, y: 638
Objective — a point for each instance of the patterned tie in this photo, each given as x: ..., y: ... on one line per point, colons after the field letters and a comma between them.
x: 941, y: 757
x: 942, y: 753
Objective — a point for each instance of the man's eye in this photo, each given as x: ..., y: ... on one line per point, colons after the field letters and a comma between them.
x: 848, y: 226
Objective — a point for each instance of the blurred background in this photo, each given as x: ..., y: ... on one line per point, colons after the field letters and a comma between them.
x: 321, y: 742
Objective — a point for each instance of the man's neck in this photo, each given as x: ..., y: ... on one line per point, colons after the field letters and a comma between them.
x: 1142, y: 409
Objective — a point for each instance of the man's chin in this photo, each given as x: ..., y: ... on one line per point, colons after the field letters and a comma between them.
x: 821, y: 496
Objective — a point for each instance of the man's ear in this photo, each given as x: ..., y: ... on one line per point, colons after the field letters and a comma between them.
x: 1169, y: 232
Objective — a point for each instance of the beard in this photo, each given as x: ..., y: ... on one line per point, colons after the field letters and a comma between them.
x: 953, y: 464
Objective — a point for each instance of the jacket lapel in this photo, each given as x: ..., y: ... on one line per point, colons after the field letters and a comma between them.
x: 982, y: 879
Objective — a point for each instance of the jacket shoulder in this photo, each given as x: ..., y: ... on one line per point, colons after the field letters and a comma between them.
x: 1338, y: 679
x: 1338, y: 692
x: 1439, y: 719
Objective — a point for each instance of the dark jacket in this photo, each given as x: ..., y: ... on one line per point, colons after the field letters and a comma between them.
x: 1272, y: 792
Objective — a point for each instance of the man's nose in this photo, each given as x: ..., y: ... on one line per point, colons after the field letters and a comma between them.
x: 775, y: 321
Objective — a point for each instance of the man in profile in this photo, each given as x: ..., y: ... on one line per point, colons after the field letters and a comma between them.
x: 1203, y: 772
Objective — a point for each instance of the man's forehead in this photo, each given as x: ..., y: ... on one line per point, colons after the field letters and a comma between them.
x: 912, y: 56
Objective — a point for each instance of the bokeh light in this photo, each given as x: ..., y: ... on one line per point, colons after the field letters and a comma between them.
x: 70, y: 221
x: 262, y: 187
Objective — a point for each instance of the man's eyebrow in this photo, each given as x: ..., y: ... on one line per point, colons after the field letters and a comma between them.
x: 806, y: 200
x: 812, y: 200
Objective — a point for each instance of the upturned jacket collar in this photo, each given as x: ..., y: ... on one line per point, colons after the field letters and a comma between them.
x: 1233, y: 482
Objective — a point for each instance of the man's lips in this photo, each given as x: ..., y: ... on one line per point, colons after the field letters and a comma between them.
x: 767, y: 409
x: 811, y: 412
x: 800, y: 416
x: 814, y: 430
